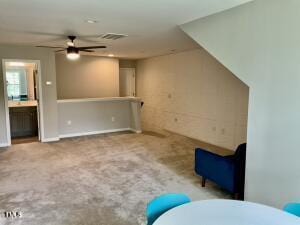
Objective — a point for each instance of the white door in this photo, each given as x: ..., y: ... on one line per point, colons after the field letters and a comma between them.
x: 127, y: 82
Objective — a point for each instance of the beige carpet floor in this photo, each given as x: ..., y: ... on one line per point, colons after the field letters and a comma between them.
x: 96, y: 180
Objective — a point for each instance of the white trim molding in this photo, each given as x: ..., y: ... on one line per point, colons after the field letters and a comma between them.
x: 2, y: 145
x: 95, y: 132
x: 44, y: 140
x: 40, y: 97
x: 98, y: 99
x: 135, y: 131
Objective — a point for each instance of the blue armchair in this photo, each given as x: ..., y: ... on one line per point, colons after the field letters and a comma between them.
x: 226, y: 171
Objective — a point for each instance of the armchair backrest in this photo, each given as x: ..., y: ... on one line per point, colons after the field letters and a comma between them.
x: 240, y: 153
x: 240, y: 161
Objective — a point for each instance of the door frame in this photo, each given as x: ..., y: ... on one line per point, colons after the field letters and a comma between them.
x: 39, y: 98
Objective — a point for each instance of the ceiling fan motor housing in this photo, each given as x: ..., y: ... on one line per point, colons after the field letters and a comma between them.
x: 72, y: 49
x: 72, y: 38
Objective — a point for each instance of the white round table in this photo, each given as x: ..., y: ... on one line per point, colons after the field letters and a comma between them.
x: 225, y: 212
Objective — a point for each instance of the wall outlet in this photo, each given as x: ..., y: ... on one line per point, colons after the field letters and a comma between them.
x: 112, y: 119
x: 69, y: 122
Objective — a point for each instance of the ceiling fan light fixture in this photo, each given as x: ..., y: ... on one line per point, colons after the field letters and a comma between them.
x: 70, y: 43
x: 73, y: 56
x: 72, y: 53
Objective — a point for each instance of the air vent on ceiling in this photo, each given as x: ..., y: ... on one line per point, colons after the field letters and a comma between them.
x: 112, y: 36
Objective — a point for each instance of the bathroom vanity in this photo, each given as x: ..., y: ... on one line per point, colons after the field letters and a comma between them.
x: 23, y: 118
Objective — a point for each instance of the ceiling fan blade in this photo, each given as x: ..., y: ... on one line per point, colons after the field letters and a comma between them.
x: 60, y: 50
x: 91, y: 47
x: 85, y: 50
x: 44, y: 46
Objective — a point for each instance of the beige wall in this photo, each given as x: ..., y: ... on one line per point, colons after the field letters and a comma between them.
x: 98, y: 116
x: 88, y: 77
x: 192, y: 94
x: 127, y: 63
x: 47, y: 59
x: 259, y: 42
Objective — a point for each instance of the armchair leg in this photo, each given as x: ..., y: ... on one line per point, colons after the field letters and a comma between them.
x: 203, y: 182
x: 236, y: 196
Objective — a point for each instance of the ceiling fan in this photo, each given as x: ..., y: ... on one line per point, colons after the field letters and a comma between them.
x: 72, y: 51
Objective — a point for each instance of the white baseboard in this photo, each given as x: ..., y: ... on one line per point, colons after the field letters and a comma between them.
x: 81, y: 134
x: 135, y: 131
x: 2, y: 145
x: 94, y: 132
x: 50, y: 139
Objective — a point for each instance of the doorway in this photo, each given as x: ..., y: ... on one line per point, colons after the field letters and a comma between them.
x: 127, y: 82
x: 22, y: 90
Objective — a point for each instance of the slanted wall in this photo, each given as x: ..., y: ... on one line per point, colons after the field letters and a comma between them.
x: 259, y: 43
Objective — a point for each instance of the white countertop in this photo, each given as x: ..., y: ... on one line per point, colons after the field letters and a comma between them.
x: 14, y: 104
x: 98, y: 99
x: 226, y: 212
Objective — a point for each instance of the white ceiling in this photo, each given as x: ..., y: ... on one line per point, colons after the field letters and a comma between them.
x: 152, y: 25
